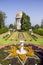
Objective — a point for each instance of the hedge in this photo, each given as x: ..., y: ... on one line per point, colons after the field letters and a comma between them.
x: 38, y: 31
x: 3, y: 30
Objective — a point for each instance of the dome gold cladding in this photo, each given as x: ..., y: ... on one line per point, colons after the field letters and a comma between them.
x: 19, y: 15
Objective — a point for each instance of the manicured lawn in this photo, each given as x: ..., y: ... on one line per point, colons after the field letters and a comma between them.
x: 26, y: 38
x: 38, y: 41
x: 8, y: 41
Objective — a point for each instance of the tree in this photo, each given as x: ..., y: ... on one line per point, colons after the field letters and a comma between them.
x: 37, y: 26
x: 42, y: 24
x: 25, y: 22
x: 15, y: 26
x: 11, y: 26
x: 2, y: 19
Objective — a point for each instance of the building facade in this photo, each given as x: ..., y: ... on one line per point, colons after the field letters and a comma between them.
x: 18, y: 20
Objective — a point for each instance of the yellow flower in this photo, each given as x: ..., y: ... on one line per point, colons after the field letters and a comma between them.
x: 13, y: 52
x: 22, y: 56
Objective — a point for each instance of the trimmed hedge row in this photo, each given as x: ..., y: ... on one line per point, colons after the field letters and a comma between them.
x: 3, y: 30
x: 34, y: 37
x: 38, y: 31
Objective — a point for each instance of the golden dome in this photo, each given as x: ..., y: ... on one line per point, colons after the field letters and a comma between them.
x: 19, y: 15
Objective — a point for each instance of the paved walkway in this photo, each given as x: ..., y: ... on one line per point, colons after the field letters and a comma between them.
x: 12, y: 36
x: 4, y: 34
x: 38, y: 35
x: 2, y: 46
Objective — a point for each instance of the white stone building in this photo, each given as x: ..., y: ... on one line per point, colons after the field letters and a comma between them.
x: 18, y: 20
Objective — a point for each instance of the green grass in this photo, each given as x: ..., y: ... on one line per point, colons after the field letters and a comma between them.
x: 39, y: 41
x: 4, y: 41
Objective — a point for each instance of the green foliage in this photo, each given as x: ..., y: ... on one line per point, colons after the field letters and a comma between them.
x: 42, y: 24
x: 14, y: 26
x: 34, y: 37
x: 39, y: 31
x: 25, y: 22
x: 2, y: 19
x: 3, y: 30
x: 11, y: 26
x: 37, y: 26
x: 5, y: 36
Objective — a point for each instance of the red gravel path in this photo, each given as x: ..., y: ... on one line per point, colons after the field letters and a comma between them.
x: 2, y: 46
